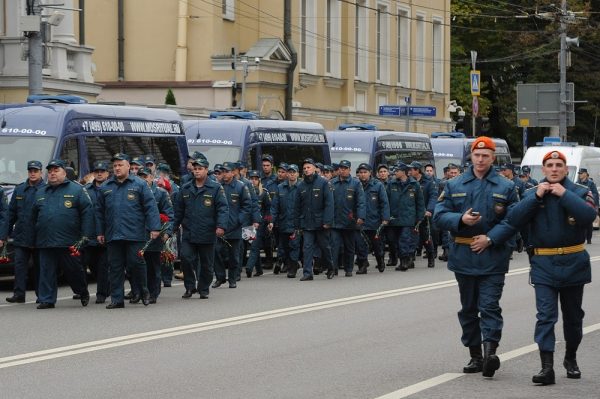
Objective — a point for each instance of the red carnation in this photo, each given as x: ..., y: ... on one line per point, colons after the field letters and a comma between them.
x: 164, y: 218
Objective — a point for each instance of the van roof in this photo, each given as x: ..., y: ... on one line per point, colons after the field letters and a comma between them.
x: 534, y: 155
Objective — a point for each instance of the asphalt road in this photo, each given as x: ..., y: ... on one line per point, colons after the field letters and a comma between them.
x: 389, y: 335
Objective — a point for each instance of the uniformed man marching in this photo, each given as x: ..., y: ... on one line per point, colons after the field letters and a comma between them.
x: 63, y: 215
x: 430, y: 194
x: 23, y: 234
x: 556, y: 214
x: 125, y: 211
x: 473, y: 207
x: 201, y: 210
x: 585, y: 180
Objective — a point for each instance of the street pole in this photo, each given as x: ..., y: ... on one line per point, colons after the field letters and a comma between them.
x: 244, y: 75
x: 562, y: 122
x: 36, y: 55
x: 407, y: 100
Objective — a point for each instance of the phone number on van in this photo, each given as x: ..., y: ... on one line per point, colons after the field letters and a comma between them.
x: 210, y: 141
x: 24, y: 131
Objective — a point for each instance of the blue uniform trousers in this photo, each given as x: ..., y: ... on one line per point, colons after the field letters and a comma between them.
x: 121, y: 255
x: 95, y: 257
x: 425, y: 237
x: 262, y: 235
x: 546, y: 299
x: 197, y: 262
x: 404, y: 239
x: 50, y: 260
x: 366, y: 243
x: 153, y: 272
x: 228, y: 257
x: 314, y: 239
x: 290, y: 249
x: 343, y: 246
x: 391, y: 241
x: 22, y: 257
x: 480, y: 316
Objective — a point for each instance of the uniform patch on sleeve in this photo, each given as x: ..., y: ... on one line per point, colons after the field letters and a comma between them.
x: 458, y: 195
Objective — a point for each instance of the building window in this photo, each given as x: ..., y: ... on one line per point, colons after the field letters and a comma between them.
x: 403, y: 48
x: 307, y: 36
x: 228, y: 9
x: 360, y: 41
x: 420, y: 59
x: 360, y: 101
x: 382, y: 99
x: 382, y: 58
x: 438, y: 56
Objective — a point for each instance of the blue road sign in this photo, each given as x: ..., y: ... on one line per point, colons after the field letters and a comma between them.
x: 400, y: 110
x: 475, y: 83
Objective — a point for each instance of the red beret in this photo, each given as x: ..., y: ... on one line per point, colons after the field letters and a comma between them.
x: 483, y: 143
x: 554, y: 155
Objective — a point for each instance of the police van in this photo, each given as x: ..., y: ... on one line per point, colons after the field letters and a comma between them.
x: 363, y: 143
x: 222, y: 140
x: 578, y: 156
x: 455, y: 147
x: 81, y: 134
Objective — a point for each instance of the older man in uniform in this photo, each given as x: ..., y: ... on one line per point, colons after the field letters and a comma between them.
x: 201, y: 209
x: 23, y: 234
x: 313, y: 216
x: 63, y: 215
x: 125, y: 211
x: 556, y: 214
x: 473, y: 207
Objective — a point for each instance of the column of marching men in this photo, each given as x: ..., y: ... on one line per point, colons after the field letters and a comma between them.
x: 126, y: 225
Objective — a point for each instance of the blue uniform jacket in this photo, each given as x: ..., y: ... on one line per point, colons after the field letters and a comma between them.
x: 314, y: 204
x: 520, y: 185
x: 21, y: 229
x: 127, y: 210
x: 240, y: 208
x: 62, y: 215
x: 349, y: 202
x: 3, y: 215
x: 377, y: 204
x: 256, y: 216
x: 407, y: 206
x: 430, y: 192
x: 557, y: 222
x: 264, y: 204
x: 589, y: 183
x: 282, y: 207
x: 94, y: 191
x: 165, y: 206
x: 493, y: 197
x: 200, y: 211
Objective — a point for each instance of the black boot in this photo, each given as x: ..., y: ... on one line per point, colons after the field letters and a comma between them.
x: 403, y: 266
x: 362, y: 266
x: 393, y: 261
x: 444, y: 256
x: 411, y: 262
x: 570, y: 364
x: 546, y: 374
x: 491, y: 362
x: 476, y: 363
x: 380, y: 264
x: 292, y: 268
x: 430, y: 259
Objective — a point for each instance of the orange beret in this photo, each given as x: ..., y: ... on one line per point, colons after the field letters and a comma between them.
x: 483, y: 143
x: 554, y: 155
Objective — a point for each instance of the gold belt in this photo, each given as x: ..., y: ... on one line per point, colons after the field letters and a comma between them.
x: 559, y: 251
x: 463, y: 240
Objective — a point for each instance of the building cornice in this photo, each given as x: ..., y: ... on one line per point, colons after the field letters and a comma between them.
x: 140, y: 84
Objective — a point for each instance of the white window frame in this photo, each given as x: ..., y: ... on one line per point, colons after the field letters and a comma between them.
x: 437, y: 46
x: 228, y: 9
x: 403, y: 47
x: 333, y: 38
x: 361, y: 41
x: 308, y: 36
x: 382, y: 43
x: 420, y: 41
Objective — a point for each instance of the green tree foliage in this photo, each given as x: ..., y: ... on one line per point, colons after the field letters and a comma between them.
x: 170, y: 98
x: 516, y: 46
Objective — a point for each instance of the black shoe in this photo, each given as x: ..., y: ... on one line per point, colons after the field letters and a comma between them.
x: 570, y: 363
x: 45, y: 305
x: 393, y: 261
x: 476, y: 363
x: 85, y: 300
x: 167, y: 284
x: 380, y: 264
x: 402, y: 267
x: 491, y: 362
x: 203, y: 296
x: 444, y: 256
x: 248, y: 273
x: 187, y: 294
x: 146, y: 299
x: 258, y: 274
x: 546, y: 374
x: 76, y: 296
x: 218, y: 283
x: 135, y: 299
x: 100, y: 299
x: 16, y: 299
x: 430, y: 260
x: 152, y: 300
x: 306, y: 278
x: 238, y: 278
x: 348, y: 274
x: 114, y: 305
x: 232, y: 284
x: 129, y: 295
x: 277, y: 269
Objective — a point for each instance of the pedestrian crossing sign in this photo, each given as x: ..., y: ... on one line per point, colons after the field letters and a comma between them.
x: 475, y: 83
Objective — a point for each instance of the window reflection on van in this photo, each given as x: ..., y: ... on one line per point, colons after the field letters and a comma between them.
x: 16, y: 151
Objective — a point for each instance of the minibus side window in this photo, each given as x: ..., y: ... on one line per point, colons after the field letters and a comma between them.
x: 70, y: 154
